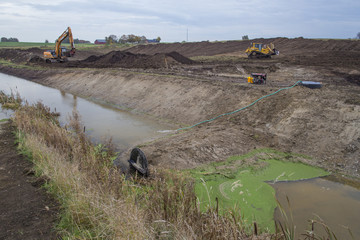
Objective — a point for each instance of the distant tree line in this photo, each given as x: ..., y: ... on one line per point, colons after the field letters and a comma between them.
x: 4, y: 39
x: 358, y: 36
x: 130, y: 38
x: 76, y: 41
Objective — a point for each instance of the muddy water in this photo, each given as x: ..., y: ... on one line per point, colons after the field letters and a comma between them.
x: 338, y: 205
x: 101, y: 121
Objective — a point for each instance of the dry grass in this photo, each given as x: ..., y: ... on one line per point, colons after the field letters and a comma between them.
x: 12, y: 101
x: 94, y: 197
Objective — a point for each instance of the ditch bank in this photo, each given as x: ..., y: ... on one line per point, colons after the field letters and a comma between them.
x: 320, y: 123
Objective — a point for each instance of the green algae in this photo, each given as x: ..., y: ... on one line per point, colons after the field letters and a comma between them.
x: 244, y: 183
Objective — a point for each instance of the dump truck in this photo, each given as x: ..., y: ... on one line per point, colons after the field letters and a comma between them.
x: 60, y: 54
x: 260, y: 50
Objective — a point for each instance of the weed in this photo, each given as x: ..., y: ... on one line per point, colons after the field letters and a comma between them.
x: 12, y: 101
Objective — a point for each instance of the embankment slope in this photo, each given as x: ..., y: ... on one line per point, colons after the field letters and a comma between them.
x: 322, y: 123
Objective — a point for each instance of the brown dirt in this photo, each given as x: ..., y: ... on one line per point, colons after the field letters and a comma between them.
x: 322, y: 123
x: 113, y: 59
x: 130, y: 60
x: 26, y: 211
x: 286, y: 47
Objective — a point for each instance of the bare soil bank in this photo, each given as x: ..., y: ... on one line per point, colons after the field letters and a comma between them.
x: 27, y: 212
x: 322, y: 123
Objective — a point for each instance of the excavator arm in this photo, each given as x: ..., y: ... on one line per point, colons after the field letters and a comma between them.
x: 57, y: 54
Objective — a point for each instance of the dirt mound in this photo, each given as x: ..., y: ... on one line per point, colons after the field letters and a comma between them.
x: 35, y: 50
x: 36, y: 59
x: 192, y: 49
x: 20, y: 55
x: 131, y: 60
x: 179, y: 58
x: 286, y: 46
x: 16, y: 55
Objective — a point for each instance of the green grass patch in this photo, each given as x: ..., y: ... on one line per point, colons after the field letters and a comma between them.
x: 42, y: 45
x: 244, y: 182
x: 4, y: 120
x: 25, y: 44
x: 80, y: 46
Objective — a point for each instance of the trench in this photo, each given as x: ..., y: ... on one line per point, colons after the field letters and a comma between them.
x: 336, y: 203
x: 100, y: 120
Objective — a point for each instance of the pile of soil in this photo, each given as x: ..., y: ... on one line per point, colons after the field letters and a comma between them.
x: 131, y: 60
x: 298, y: 51
x: 286, y: 46
x: 36, y: 59
x: 18, y: 55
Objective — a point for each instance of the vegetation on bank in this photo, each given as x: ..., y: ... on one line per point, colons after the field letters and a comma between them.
x: 99, y: 202
x: 12, y: 101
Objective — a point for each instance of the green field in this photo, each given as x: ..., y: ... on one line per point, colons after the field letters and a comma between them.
x: 25, y: 44
x: 42, y: 45
x: 244, y: 183
x: 82, y: 46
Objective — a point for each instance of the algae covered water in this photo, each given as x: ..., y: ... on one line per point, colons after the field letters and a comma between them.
x: 252, y: 183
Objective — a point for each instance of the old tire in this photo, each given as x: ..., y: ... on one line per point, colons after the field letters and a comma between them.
x: 138, y: 159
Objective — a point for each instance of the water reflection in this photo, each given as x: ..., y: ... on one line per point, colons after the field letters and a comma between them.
x: 100, y: 120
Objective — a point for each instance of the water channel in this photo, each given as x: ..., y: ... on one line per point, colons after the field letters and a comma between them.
x: 100, y: 120
x: 337, y: 204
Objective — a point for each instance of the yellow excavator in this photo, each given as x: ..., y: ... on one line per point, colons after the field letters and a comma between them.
x: 259, y: 50
x: 60, y: 54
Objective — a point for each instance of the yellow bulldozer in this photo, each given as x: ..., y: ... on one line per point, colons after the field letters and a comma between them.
x: 259, y: 50
x: 60, y: 54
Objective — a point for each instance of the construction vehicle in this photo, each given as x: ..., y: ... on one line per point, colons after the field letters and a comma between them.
x: 257, y: 78
x: 60, y: 54
x: 259, y: 50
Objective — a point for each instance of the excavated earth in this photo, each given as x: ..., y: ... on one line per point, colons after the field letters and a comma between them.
x: 186, y: 83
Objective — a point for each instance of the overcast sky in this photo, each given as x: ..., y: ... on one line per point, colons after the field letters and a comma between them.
x: 36, y: 21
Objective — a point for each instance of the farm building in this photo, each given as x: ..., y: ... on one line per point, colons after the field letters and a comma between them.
x: 100, y: 41
x: 152, y: 41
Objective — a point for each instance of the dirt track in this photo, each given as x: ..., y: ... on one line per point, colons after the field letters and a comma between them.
x: 26, y: 211
x: 323, y: 123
